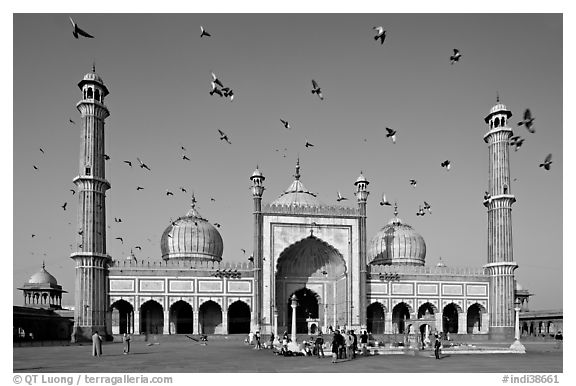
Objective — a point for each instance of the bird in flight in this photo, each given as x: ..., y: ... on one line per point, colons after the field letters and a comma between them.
x: 340, y: 198
x: 73, y: 191
x: 183, y: 148
x: 223, y: 136
x: 129, y: 163
x: 204, y: 33
x: 117, y: 219
x: 547, y: 162
x: 64, y: 206
x: 71, y: 121
x: 251, y: 258
x: 420, y: 211
x: 217, y: 81
x: 42, y: 151
x: 384, y: 201
x: 142, y: 164
x: 446, y: 164
x: 121, y: 239
x: 317, y: 90
x: 516, y: 141
x: 528, y: 121
x: 78, y: 31
x: 183, y: 189
x: 106, y: 157
x: 487, y: 195
x: 456, y: 57
x: 427, y: 207
x: 138, y: 247
x: 286, y: 124
x: 243, y: 250
x: 308, y: 144
x: 185, y: 158
x: 139, y: 188
x: 390, y: 133
x: 169, y: 193
x: 381, y: 34
x: 215, y: 90
x: 413, y: 183
x: 217, y: 225
x: 35, y: 167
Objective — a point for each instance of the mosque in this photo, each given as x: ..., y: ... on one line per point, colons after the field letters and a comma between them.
x: 321, y: 254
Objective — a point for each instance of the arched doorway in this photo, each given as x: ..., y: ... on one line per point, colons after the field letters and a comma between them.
x: 474, y: 318
x: 312, y: 263
x: 450, y: 319
x: 426, y: 310
x: 375, y: 318
x: 122, y: 317
x: 210, y: 315
x: 400, y: 313
x: 307, y: 308
x: 238, y: 318
x: 151, y: 318
x: 181, y: 318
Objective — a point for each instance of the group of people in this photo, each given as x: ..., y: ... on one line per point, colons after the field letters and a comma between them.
x: 255, y: 336
x: 345, y: 345
x: 97, y: 344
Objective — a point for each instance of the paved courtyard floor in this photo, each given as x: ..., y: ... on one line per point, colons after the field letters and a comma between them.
x: 234, y: 356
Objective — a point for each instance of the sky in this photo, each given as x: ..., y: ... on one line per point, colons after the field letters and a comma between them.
x: 157, y: 69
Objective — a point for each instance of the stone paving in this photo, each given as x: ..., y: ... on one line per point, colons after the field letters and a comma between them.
x: 234, y: 356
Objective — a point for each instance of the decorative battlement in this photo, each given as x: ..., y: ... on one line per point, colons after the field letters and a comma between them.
x: 423, y: 270
x: 313, y: 210
x: 181, y: 265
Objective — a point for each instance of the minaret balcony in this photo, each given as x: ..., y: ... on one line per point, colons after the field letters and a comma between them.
x: 510, y: 197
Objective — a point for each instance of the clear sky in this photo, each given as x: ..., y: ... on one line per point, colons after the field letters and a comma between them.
x: 157, y: 69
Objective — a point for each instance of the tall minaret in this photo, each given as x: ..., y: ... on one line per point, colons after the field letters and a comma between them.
x: 499, y: 202
x: 362, y: 196
x: 257, y: 190
x: 91, y: 301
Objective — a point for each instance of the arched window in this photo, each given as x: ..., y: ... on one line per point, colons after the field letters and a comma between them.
x: 503, y: 121
x: 505, y: 189
x: 90, y: 95
x: 97, y: 97
x: 497, y: 122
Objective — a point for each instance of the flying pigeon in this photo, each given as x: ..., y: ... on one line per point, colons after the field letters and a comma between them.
x: 340, y: 198
x: 71, y: 121
x: 547, y: 162
x: 215, y: 90
x: 169, y: 193
x: 35, y: 167
x: 391, y: 133
x: 286, y: 124
x: 138, y: 247
x: 516, y: 141
x: 427, y: 207
x: 456, y: 57
x: 446, y: 164
x: 251, y: 258
x: 413, y: 183
x: 217, y: 81
x: 381, y: 34
x: 223, y: 136
x: 106, y: 157
x: 420, y: 211
x: 117, y: 219
x: 139, y: 188
x: 64, y: 206
x: 486, y: 195
x: 317, y: 90
x: 204, y: 33
x: 217, y: 225
x: 129, y: 163
x: 308, y: 144
x: 73, y: 191
x: 384, y: 201
x: 183, y: 189
x: 528, y: 121
x: 212, y: 199
x: 243, y: 250
x: 78, y: 31
x: 121, y: 239
x: 183, y: 148
x: 42, y: 150
x: 185, y: 158
x: 142, y: 164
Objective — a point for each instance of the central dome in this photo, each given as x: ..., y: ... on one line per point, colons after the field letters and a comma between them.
x: 297, y: 194
x: 191, y: 238
x: 397, y: 244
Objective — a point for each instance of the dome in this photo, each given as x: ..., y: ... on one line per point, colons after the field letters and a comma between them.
x: 42, y: 277
x: 397, y: 243
x: 93, y: 77
x: 297, y: 194
x: 257, y: 173
x: 361, y: 178
x: 498, y: 107
x: 191, y: 238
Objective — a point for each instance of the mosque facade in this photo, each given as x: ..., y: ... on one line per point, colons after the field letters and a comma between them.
x: 321, y: 254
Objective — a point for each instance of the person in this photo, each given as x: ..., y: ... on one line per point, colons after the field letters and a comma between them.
x: 364, y: 342
x: 284, y: 350
x: 258, y: 345
x: 437, y: 345
x: 271, y: 339
x: 126, y: 341
x: 96, y: 344
x: 349, y: 346
x: 251, y: 338
x: 355, y: 345
x: 318, y: 343
x: 335, y: 346
x: 342, y: 344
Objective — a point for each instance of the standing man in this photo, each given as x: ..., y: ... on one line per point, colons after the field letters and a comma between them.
x: 437, y: 345
x: 251, y: 338
x: 319, y: 343
x: 258, y: 345
x: 96, y: 344
x: 126, y: 341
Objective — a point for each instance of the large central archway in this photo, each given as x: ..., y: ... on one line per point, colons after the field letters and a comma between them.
x: 307, y: 308
x: 316, y: 266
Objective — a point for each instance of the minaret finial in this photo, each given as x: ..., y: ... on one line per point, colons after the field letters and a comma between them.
x: 193, y: 204
x: 297, y: 175
x: 497, y: 97
x: 43, y: 264
x: 94, y: 66
x: 395, y: 209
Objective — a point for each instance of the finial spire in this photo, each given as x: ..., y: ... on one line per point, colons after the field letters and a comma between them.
x: 94, y: 66
x: 297, y: 175
x: 193, y: 204
x: 43, y: 265
x: 497, y: 97
x: 395, y: 209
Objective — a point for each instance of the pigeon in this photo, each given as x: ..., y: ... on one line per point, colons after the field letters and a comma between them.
x: 528, y: 121
x: 78, y: 31
x: 384, y: 201
x: 106, y: 157
x: 212, y: 199
x: 456, y: 57
x: 73, y: 191
x: 286, y: 124
x: 117, y: 219
x: 217, y: 225
x: 391, y: 133
x: 42, y: 150
x: 217, y: 81
x: 142, y: 164
x: 413, y: 183
x: 204, y: 33
x: 35, y: 167
x: 243, y: 250
x: 516, y: 141
x: 223, y: 136
x: 129, y: 163
x: 317, y: 90
x: 427, y: 207
x: 169, y: 193
x: 308, y: 144
x: 446, y: 164
x: 547, y: 162
x: 81, y: 232
x: 121, y: 239
x: 340, y: 198
x: 381, y: 34
x: 139, y: 188
x: 215, y: 90
x: 71, y: 121
x: 251, y: 258
x: 64, y: 206
x: 185, y: 158
x: 487, y: 195
x: 138, y: 247
x: 183, y: 148
x: 420, y: 211
x: 228, y: 92
x: 183, y: 189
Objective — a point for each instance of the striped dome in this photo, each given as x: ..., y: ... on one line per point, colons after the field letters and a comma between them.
x: 397, y: 244
x: 191, y: 238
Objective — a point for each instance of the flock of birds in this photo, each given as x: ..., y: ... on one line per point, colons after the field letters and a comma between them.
x: 218, y: 88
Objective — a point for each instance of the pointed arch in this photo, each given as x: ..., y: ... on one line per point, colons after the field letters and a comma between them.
x: 375, y: 318
x: 400, y: 313
x: 151, y: 317
x: 450, y: 318
x: 181, y: 318
x: 427, y: 309
x: 122, y: 317
x: 210, y: 317
x: 239, y: 318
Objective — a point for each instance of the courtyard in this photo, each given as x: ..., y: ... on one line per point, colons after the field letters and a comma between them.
x: 234, y: 356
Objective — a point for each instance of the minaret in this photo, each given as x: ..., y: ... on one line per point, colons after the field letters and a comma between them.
x: 362, y: 196
x: 91, y: 301
x: 257, y: 190
x: 499, y: 202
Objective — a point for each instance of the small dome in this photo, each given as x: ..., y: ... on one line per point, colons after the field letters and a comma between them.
x: 498, y: 107
x: 361, y: 178
x: 257, y: 173
x: 93, y: 77
x: 42, y: 277
x: 191, y: 237
x: 297, y: 194
x: 397, y: 243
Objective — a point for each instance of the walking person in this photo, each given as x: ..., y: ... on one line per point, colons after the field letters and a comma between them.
x: 350, y: 346
x: 96, y: 344
x: 437, y: 345
x: 335, y: 346
x: 271, y: 339
x: 251, y: 338
x: 126, y: 341
x: 258, y: 345
x: 364, y: 342
x: 319, y: 343
x: 355, y: 345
